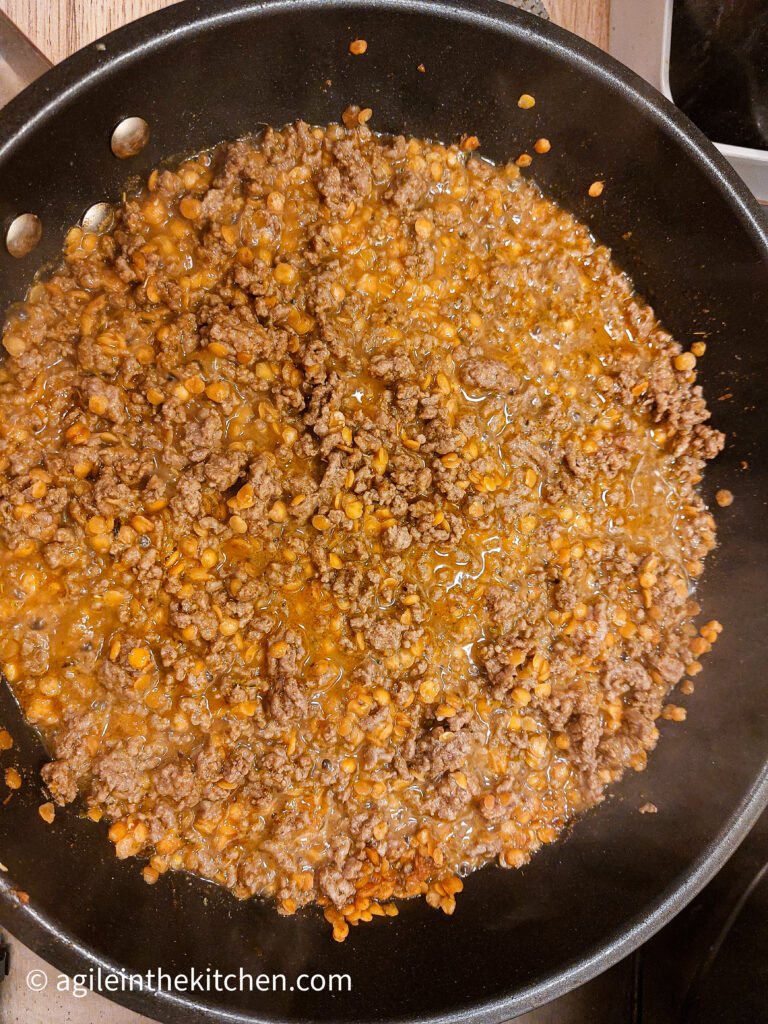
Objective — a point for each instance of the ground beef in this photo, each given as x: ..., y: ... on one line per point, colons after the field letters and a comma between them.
x: 223, y: 469
x: 384, y: 636
x: 490, y: 374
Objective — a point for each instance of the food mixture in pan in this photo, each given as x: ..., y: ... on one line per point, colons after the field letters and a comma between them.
x: 348, y: 519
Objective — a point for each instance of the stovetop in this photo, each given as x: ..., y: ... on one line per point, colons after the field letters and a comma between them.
x: 718, y: 68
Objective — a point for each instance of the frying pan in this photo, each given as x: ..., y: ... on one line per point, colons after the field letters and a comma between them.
x: 685, y: 228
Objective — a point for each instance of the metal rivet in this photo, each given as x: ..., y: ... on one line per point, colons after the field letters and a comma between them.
x: 23, y: 235
x: 98, y: 218
x: 130, y: 137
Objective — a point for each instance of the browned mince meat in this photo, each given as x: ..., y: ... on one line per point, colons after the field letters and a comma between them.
x: 348, y: 520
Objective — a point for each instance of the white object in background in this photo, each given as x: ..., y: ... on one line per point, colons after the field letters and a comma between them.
x: 640, y: 37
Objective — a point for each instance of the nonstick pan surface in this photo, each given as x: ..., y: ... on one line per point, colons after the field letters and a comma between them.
x: 681, y: 223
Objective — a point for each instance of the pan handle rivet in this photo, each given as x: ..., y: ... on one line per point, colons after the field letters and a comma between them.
x: 129, y: 137
x: 98, y: 218
x: 23, y: 234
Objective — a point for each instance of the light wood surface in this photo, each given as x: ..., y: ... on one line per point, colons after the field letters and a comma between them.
x: 587, y: 18
x: 58, y: 28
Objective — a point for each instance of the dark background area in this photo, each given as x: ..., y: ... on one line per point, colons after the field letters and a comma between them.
x: 719, y: 68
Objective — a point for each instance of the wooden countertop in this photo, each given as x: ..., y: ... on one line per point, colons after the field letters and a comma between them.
x: 58, y: 28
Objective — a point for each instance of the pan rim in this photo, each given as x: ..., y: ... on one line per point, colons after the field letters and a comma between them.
x: 78, y: 72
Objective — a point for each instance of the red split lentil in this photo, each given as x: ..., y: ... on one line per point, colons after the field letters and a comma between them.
x: 47, y: 812
x: 348, y: 519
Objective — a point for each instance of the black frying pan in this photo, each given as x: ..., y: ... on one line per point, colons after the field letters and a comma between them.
x: 682, y: 224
